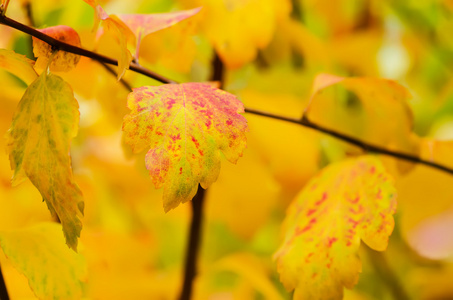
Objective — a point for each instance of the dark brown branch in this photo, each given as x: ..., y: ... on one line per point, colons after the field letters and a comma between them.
x: 139, y: 69
x: 193, y: 245
x: 3, y: 291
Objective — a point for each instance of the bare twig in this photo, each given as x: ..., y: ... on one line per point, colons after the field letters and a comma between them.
x: 303, y: 122
x: 193, y: 245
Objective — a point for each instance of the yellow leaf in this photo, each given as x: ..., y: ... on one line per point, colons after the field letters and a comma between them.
x: 53, y: 271
x: 17, y: 64
x: 119, y: 30
x: 38, y: 144
x: 346, y: 202
x: 185, y: 126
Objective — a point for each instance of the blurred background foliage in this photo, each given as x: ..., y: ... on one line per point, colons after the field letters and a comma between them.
x: 272, y: 50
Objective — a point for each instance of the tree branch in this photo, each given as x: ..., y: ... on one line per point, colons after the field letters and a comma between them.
x: 303, y: 122
x: 3, y: 291
x: 193, y: 245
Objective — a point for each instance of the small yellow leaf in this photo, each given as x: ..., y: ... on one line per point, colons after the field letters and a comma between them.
x: 17, y: 64
x: 119, y: 30
x: 62, y: 61
x: 346, y: 202
x: 185, y: 126
x: 38, y: 144
x: 53, y: 271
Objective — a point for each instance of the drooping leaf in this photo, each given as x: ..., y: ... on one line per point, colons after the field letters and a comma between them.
x: 145, y: 24
x: 119, y: 30
x: 38, y: 145
x: 184, y: 127
x: 17, y: 64
x: 347, y: 202
x: 53, y: 271
x: 62, y: 61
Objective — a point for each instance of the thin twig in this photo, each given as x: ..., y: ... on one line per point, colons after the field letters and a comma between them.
x: 352, y: 140
x: 111, y: 71
x: 3, y: 291
x: 193, y: 245
x: 139, y: 69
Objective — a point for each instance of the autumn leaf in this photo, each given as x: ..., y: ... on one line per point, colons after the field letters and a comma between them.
x: 53, y: 271
x: 119, y: 30
x: 145, y: 24
x: 38, y: 145
x: 346, y: 202
x: 185, y: 126
x: 18, y: 65
x: 63, y: 61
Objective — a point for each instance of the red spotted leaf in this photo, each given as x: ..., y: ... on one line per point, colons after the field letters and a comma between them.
x: 347, y: 202
x: 185, y: 127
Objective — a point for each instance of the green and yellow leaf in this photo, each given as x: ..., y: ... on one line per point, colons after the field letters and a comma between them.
x: 347, y: 202
x: 185, y: 127
x: 53, y: 271
x: 38, y: 145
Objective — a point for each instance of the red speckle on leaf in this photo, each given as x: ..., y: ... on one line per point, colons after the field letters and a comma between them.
x: 176, y: 137
x: 229, y: 122
x: 330, y: 241
x: 170, y: 103
x: 372, y: 170
x: 159, y: 133
x: 324, y: 198
x: 307, y: 259
x: 353, y: 222
x: 306, y: 228
x: 354, y: 200
x: 310, y: 212
x: 379, y: 194
x: 180, y: 171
